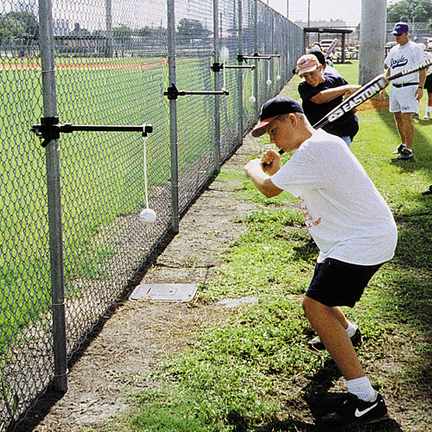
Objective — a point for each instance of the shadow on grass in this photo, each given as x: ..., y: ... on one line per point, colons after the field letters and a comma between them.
x: 409, y: 301
x: 320, y: 402
x: 422, y: 146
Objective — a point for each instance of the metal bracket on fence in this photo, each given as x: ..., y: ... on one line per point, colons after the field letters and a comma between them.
x: 241, y: 58
x: 50, y: 129
x: 172, y: 93
x: 217, y: 67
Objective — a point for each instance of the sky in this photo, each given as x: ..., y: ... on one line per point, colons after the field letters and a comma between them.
x: 347, y: 10
x: 325, y: 10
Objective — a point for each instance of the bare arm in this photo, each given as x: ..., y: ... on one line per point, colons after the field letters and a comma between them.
x: 422, y: 79
x: 254, y: 170
x: 328, y: 95
x: 382, y: 93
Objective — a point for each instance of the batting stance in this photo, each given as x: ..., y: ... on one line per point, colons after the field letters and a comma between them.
x: 352, y: 226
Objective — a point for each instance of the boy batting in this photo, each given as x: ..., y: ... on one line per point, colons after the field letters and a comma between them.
x: 352, y: 226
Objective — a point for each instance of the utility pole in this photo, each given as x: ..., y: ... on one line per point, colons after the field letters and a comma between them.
x: 372, y: 39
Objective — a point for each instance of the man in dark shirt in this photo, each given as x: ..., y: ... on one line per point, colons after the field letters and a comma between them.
x: 321, y: 93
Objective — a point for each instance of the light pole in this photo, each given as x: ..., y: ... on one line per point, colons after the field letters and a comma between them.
x: 372, y: 39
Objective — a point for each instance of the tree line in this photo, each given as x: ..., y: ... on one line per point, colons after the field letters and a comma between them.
x: 23, y: 24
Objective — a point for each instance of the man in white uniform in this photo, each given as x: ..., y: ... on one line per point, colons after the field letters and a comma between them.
x: 352, y: 226
x: 407, y: 90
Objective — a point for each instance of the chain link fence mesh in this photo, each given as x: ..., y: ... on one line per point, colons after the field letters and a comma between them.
x: 112, y: 68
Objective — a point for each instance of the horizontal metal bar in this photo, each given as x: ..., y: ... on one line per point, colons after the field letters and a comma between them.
x: 239, y: 67
x: 173, y: 93
x: 257, y: 57
x: 68, y: 128
x: 221, y: 92
x: 217, y: 67
x: 241, y: 57
x: 50, y: 129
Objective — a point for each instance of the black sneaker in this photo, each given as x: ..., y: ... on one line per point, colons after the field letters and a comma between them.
x: 316, y: 343
x: 399, y: 149
x: 428, y: 191
x: 354, y: 410
x: 406, y: 154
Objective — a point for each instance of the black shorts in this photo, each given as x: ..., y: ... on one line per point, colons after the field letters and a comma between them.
x: 336, y: 283
x: 428, y: 83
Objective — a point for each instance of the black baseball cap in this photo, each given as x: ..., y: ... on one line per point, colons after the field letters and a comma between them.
x: 400, y: 28
x: 318, y: 54
x: 272, y: 109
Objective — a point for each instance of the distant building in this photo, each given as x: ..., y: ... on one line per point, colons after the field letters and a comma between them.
x: 72, y: 45
x: 351, y: 40
x: 61, y: 27
x: 321, y: 23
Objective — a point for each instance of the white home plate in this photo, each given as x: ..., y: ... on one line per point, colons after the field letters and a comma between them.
x: 165, y: 292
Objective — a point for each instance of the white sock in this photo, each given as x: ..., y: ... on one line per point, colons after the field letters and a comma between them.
x: 428, y: 110
x: 351, y: 329
x: 361, y: 387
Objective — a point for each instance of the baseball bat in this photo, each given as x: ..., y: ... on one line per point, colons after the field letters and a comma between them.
x: 331, y: 48
x: 361, y: 95
x: 364, y: 93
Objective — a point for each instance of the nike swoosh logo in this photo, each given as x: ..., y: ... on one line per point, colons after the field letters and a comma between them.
x: 359, y: 413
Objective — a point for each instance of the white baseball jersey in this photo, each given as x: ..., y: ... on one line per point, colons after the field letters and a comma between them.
x: 404, y: 57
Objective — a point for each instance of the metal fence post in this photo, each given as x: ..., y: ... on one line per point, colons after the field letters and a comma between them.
x: 109, y: 30
x: 216, y: 86
x: 267, y: 49
x: 240, y: 107
x: 173, y: 118
x: 256, y: 76
x: 272, y: 50
x: 46, y: 39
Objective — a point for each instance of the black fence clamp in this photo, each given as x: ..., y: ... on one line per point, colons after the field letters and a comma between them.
x: 50, y: 129
x: 241, y: 58
x: 173, y: 93
x: 217, y: 67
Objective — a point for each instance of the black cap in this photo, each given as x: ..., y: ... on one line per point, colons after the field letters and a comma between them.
x: 272, y: 109
x: 400, y: 28
x: 318, y: 54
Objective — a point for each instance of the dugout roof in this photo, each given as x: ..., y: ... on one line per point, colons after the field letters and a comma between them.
x: 335, y: 30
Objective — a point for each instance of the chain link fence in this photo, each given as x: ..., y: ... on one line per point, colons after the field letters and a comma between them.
x: 71, y: 238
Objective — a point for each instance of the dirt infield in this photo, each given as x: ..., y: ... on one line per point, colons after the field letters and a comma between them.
x: 372, y: 104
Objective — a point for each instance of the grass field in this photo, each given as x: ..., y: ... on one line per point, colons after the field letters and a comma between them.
x: 244, y: 375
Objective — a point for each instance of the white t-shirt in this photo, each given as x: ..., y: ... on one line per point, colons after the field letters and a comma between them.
x: 331, y: 70
x: 404, y: 57
x: 344, y: 212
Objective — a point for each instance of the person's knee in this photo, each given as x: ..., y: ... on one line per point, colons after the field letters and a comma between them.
x: 407, y: 119
x: 311, y: 306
